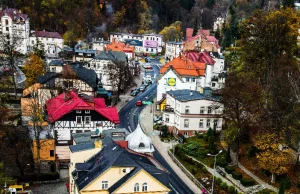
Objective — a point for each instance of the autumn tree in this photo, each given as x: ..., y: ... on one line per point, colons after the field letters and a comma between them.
x: 34, y: 67
x: 271, y: 156
x: 172, y: 32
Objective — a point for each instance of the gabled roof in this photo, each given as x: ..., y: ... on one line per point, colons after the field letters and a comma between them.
x: 59, y: 106
x: 56, y: 62
x: 203, y: 57
x: 113, y: 155
x: 112, y: 56
x: 47, y: 77
x: 185, y: 67
x: 14, y: 14
x: 89, y: 76
x: 46, y: 34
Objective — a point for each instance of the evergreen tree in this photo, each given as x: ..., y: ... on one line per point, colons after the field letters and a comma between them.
x: 210, y: 4
x: 217, y: 34
x: 282, y: 187
x: 195, y: 27
x: 288, y: 3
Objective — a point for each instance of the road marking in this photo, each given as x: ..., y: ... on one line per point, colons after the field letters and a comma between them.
x: 129, y: 129
x: 173, y: 188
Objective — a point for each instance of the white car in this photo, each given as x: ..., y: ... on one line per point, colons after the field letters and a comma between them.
x: 147, y: 77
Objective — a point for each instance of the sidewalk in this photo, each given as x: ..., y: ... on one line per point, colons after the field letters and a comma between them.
x: 146, y: 119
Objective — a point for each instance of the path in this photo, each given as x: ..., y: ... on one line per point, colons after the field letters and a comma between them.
x: 146, y: 119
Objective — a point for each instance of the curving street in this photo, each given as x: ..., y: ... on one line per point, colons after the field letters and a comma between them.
x: 129, y: 120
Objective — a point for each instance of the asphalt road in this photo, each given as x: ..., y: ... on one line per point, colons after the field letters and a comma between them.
x: 129, y: 120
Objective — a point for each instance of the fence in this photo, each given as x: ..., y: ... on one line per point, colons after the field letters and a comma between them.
x: 187, y: 173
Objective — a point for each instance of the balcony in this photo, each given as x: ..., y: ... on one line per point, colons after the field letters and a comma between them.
x: 168, y: 109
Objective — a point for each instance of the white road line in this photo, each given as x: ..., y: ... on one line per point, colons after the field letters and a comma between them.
x: 129, y: 128
x: 173, y: 188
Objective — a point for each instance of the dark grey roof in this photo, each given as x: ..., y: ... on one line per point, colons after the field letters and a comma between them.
x: 112, y: 56
x: 56, y: 62
x: 133, y: 42
x: 81, y: 147
x: 89, y: 76
x: 83, y: 166
x: 85, y: 137
x: 47, y: 76
x: 114, y: 155
x: 190, y: 95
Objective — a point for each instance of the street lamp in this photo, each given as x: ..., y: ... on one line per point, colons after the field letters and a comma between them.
x: 212, y: 190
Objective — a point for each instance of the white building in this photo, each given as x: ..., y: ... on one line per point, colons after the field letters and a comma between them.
x: 218, y: 23
x: 15, y: 29
x: 52, y: 41
x: 173, y: 49
x: 188, y: 111
x: 181, y: 73
x: 101, y: 62
x: 99, y: 44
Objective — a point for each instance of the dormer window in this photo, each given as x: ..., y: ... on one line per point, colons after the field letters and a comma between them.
x: 141, y: 145
x: 78, y: 111
x: 87, y: 111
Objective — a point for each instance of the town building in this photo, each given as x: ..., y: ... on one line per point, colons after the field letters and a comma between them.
x: 173, y: 50
x: 83, y: 52
x: 99, y: 44
x: 137, y: 44
x: 122, y: 47
x: 103, y: 166
x: 102, y: 63
x: 202, y: 41
x: 56, y: 66
x: 52, y: 42
x: 71, y: 112
x: 218, y: 24
x: 181, y: 73
x: 187, y: 111
x: 15, y: 29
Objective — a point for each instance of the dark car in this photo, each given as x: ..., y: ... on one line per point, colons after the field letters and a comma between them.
x: 134, y: 93
x: 142, y: 88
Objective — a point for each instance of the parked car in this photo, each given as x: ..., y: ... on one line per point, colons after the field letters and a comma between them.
x: 148, y: 82
x: 137, y: 89
x: 147, y: 77
x: 142, y: 88
x: 134, y: 93
x: 139, y: 103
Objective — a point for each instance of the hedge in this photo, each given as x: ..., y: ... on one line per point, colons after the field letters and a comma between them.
x: 247, y: 182
x: 237, y: 175
x: 224, y: 185
x: 231, y: 189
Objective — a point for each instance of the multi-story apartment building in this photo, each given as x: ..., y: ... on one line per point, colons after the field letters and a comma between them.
x: 52, y: 41
x: 173, y: 50
x: 15, y: 29
x: 188, y: 111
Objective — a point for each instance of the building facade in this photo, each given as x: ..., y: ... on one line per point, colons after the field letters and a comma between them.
x: 188, y: 111
x: 173, y: 50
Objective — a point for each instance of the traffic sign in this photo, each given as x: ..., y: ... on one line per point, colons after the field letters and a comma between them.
x: 146, y: 102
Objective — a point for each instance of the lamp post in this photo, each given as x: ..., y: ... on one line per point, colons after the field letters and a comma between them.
x: 212, y: 190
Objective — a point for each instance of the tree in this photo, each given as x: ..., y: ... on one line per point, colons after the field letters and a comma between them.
x: 172, y: 32
x: 210, y: 4
x: 120, y: 77
x: 38, y: 49
x: 271, y: 157
x: 34, y: 67
x: 282, y: 187
x: 288, y: 3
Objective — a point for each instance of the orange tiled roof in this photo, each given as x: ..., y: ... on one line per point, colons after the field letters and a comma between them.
x: 185, y: 67
x: 119, y: 46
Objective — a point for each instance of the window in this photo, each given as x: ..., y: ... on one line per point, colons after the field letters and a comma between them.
x: 141, y: 145
x: 145, y: 187
x: 201, y: 123
x: 216, y: 123
x: 213, y: 84
x: 136, y: 187
x: 202, y: 110
x: 78, y: 120
x: 187, y: 109
x: 186, y: 134
x: 87, y: 111
x: 193, y: 79
x: 209, y: 110
x: 187, y: 79
x: 186, y: 123
x: 167, y: 119
x: 51, y: 153
x: 151, y: 50
x: 104, y: 184
x: 53, y: 69
x: 87, y: 119
x: 208, y: 123
x: 78, y: 111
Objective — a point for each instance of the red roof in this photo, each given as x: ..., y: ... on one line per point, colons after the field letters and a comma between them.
x: 211, y: 39
x: 58, y: 107
x: 14, y: 14
x: 189, y: 32
x: 46, y: 34
x: 203, y: 57
x: 185, y: 67
x: 203, y: 32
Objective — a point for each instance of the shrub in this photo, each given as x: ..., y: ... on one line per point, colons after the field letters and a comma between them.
x: 237, y: 175
x: 194, y: 171
x: 204, y: 170
x: 266, y: 191
x: 231, y: 189
x: 222, y: 160
x: 247, y: 182
x: 218, y: 181
x: 49, y: 176
x: 199, y: 165
x: 224, y: 185
x: 229, y: 169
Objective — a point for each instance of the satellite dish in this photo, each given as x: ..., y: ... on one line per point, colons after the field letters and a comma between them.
x: 127, y: 170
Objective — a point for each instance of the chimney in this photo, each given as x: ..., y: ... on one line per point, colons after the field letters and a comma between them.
x: 98, y: 144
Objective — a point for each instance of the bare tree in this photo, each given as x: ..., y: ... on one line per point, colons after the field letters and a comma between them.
x: 120, y: 77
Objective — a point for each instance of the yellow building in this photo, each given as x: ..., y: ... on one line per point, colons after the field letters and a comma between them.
x: 104, y: 167
x: 160, y: 105
x: 47, y: 154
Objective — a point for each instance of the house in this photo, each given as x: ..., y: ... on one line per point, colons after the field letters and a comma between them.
x: 71, y: 112
x: 181, y: 73
x: 137, y: 44
x: 173, y: 50
x: 52, y: 42
x: 103, y: 166
x: 99, y: 44
x: 56, y: 65
x: 103, y: 61
x: 188, y: 111
x: 83, y: 52
x: 121, y: 47
x: 16, y: 27
x: 202, y: 41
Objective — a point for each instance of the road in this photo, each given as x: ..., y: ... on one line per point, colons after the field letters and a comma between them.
x: 129, y: 120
